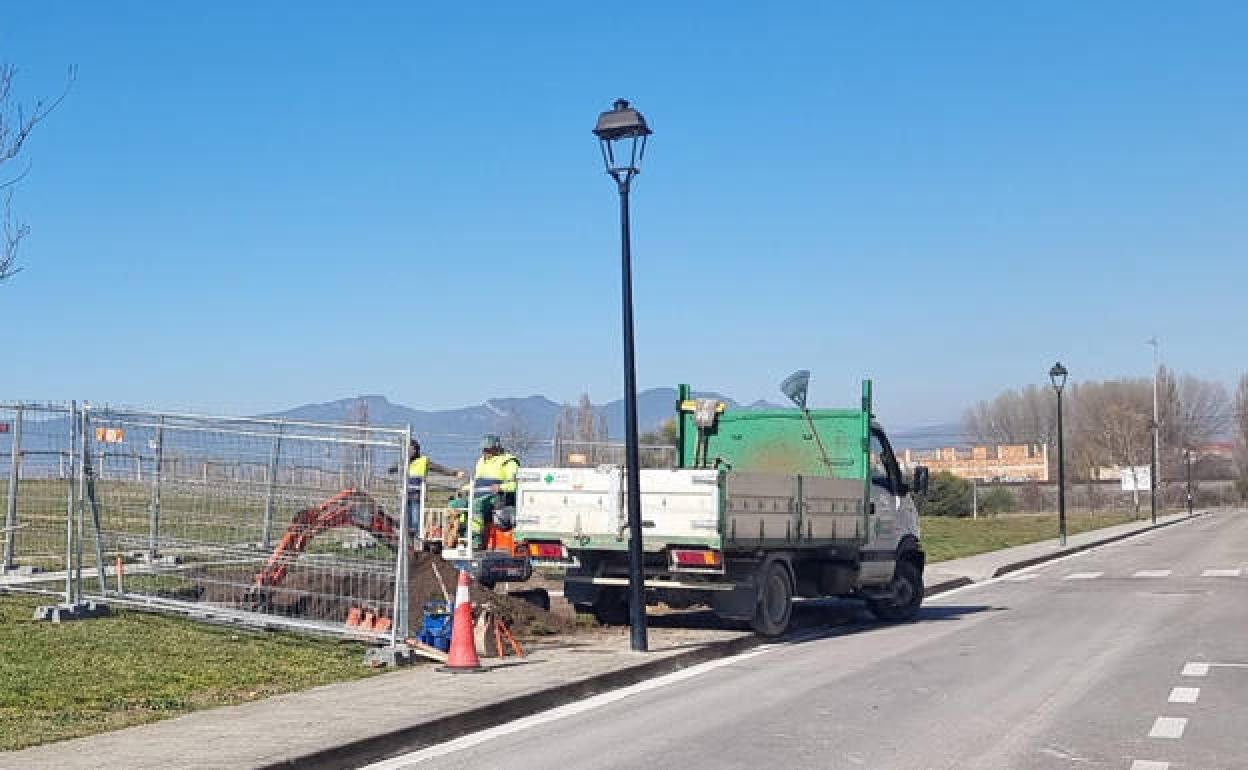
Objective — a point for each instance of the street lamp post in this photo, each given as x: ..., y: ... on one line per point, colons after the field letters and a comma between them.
x: 1155, y: 473
x: 1188, y: 456
x: 622, y: 133
x: 1058, y: 376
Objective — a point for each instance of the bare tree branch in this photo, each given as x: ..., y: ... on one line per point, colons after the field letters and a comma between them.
x: 14, y: 232
x: 16, y: 126
x: 519, y: 437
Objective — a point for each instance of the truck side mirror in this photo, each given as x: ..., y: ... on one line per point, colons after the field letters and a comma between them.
x: 920, y: 480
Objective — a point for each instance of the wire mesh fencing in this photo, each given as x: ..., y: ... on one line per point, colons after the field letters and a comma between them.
x: 266, y: 522
x: 37, y: 488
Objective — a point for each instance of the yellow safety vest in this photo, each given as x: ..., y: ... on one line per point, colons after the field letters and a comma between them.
x: 499, y: 469
x: 416, y: 470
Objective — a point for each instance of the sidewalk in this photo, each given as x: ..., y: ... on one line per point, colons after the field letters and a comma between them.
x: 944, y: 575
x: 351, y: 724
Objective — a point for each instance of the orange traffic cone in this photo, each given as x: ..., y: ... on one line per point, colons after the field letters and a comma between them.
x: 463, y: 654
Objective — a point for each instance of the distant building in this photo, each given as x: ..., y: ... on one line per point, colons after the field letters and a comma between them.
x: 1005, y: 462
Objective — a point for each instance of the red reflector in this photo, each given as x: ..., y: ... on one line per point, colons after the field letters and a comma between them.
x: 698, y: 558
x: 547, y: 550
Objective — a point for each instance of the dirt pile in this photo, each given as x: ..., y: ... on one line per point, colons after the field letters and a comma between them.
x: 525, y: 618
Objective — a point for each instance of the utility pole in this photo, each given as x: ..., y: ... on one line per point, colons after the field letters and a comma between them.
x: 1154, y: 479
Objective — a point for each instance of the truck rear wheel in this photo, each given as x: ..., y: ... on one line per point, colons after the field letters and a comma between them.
x: 905, y: 595
x: 774, y: 609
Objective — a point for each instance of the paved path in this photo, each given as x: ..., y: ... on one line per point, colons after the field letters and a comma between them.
x: 1131, y: 656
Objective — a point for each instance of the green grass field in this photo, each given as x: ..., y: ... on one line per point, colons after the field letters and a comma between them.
x: 63, y: 681
x: 952, y: 538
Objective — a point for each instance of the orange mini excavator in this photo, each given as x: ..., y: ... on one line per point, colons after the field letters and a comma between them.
x: 352, y: 507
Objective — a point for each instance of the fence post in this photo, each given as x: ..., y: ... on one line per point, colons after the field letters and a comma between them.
x: 10, y: 517
x: 75, y: 430
x: 86, y: 475
x: 399, y: 629
x: 266, y: 540
x: 153, y: 533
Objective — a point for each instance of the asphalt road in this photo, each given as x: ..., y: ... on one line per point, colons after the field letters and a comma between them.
x: 1084, y: 662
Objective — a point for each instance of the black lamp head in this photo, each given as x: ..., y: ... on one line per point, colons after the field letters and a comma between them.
x: 620, y: 125
x: 1058, y: 376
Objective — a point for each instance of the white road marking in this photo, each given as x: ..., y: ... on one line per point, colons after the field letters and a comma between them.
x: 1035, y: 567
x: 1228, y: 665
x: 1083, y: 576
x: 1168, y: 727
x: 1148, y: 764
x: 579, y: 707
x: 1020, y: 578
x: 1184, y: 694
x: 1220, y: 573
x: 1152, y: 573
x: 1196, y: 669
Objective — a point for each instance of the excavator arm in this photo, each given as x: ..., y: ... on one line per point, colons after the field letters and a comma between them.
x: 350, y: 507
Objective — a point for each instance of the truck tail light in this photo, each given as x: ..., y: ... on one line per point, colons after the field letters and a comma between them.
x: 696, y: 557
x: 548, y: 551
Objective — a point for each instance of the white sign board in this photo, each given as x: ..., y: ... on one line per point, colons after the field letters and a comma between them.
x: 1137, y: 478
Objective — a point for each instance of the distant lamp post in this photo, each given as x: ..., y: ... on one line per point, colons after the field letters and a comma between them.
x: 1155, y: 469
x: 1187, y: 455
x: 1058, y: 376
x: 622, y: 134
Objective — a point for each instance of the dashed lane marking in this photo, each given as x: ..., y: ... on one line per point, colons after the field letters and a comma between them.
x: 1083, y: 576
x: 1020, y: 578
x: 1184, y: 694
x: 1221, y: 573
x: 1152, y: 573
x: 1148, y: 764
x: 1168, y: 727
x: 1196, y: 669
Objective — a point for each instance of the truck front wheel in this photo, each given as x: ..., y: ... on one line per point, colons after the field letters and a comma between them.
x: 774, y: 609
x: 904, y: 598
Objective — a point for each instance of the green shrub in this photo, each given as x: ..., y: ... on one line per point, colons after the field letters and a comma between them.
x: 946, y: 495
x: 996, y: 500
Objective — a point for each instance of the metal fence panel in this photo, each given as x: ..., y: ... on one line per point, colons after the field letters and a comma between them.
x: 37, y: 477
x: 229, y: 517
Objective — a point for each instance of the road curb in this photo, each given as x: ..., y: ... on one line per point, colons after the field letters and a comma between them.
x: 1006, y: 569
x: 378, y: 747
x: 946, y: 585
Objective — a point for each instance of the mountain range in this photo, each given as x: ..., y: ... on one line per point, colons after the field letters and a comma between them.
x: 452, y: 436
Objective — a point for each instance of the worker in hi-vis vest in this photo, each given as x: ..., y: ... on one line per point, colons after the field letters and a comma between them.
x: 418, y: 467
x: 494, y: 493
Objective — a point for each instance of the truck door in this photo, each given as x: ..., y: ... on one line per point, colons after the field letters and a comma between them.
x: 887, y: 493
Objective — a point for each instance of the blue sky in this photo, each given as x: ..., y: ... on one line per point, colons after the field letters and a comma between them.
x: 246, y: 206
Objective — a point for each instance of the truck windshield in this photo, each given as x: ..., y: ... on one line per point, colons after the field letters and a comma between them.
x: 879, y: 471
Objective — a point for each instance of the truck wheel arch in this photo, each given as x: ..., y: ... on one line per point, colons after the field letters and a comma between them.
x: 909, y: 549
